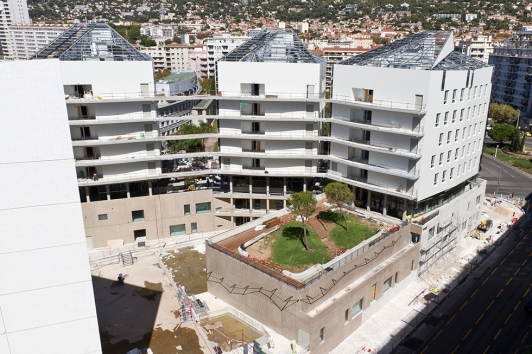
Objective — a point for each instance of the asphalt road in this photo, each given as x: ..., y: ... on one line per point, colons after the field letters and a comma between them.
x: 491, y: 318
x: 511, y: 180
x: 489, y: 141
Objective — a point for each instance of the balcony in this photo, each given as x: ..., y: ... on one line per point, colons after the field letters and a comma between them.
x: 380, y: 126
x: 253, y: 150
x: 380, y: 168
x: 388, y: 148
x: 81, y: 117
x: 84, y: 138
x: 254, y: 132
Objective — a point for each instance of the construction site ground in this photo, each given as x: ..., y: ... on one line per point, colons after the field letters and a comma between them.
x: 382, y: 332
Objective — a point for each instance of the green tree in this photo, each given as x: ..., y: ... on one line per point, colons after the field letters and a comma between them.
x: 339, y: 194
x: 501, y: 132
x: 302, y: 204
x: 515, y: 145
x: 503, y: 113
x: 207, y: 85
x: 522, y: 145
x: 160, y: 74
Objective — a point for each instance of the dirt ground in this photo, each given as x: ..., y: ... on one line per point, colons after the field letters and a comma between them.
x: 142, y: 313
x: 231, y: 327
x: 209, y: 144
x: 188, y: 269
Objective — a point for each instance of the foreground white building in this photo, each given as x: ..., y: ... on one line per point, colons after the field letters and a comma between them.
x: 46, y: 298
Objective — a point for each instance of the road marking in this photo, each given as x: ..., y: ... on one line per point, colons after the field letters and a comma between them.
x: 467, y: 333
x: 530, y: 255
x: 486, y: 350
x: 490, y: 305
x: 502, y: 261
x: 479, y: 318
x: 497, y: 335
x: 424, y: 350
x: 437, y: 334
x: 452, y: 318
x: 526, y: 292
x: 485, y: 280
x: 517, y: 305
x: 455, y: 349
x: 510, y: 315
x: 500, y: 292
x: 474, y: 293
x: 524, y: 337
x: 494, y: 270
x: 526, y: 260
x: 516, y: 351
x: 517, y: 271
x: 462, y: 306
x: 512, y: 251
x: 508, y: 282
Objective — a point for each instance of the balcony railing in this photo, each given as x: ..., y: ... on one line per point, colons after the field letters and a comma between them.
x: 253, y: 132
x: 377, y: 186
x: 83, y: 138
x: 388, y: 147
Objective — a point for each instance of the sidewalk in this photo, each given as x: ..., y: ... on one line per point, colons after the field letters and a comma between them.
x: 386, y: 329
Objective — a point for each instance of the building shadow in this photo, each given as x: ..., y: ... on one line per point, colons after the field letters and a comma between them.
x: 126, y: 314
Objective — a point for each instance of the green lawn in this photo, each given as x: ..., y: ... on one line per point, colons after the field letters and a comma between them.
x: 340, y: 236
x: 523, y: 164
x: 289, y: 247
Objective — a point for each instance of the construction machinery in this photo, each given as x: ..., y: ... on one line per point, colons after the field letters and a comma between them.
x: 485, y: 225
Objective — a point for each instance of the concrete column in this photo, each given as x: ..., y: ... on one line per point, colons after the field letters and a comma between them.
x: 267, y: 185
x: 87, y: 194
x: 231, y: 184
x: 250, y: 205
x: 284, y: 185
x: 149, y: 188
x: 368, y: 202
x: 284, y: 203
x: 384, y: 206
x: 354, y: 191
x: 405, y: 203
x: 267, y: 206
x: 233, y: 221
x: 250, y: 185
x: 304, y: 184
x: 127, y: 190
x: 107, y: 192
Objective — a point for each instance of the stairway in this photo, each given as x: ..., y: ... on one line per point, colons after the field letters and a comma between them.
x: 318, y: 226
x: 127, y: 258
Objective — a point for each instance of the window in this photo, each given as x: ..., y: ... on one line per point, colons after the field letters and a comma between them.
x: 451, y: 174
x: 177, y: 230
x: 475, y: 129
x: 475, y: 162
x: 441, y: 139
x: 396, y: 277
x: 468, y: 112
x: 463, y: 133
x: 443, y: 176
x: 436, y: 179
x: 373, y: 292
x: 346, y: 316
x: 454, y: 117
x: 468, y: 148
x: 474, y: 110
x: 475, y: 92
x: 445, y: 96
x: 449, y: 133
x: 449, y: 156
x: 193, y: 227
x: 479, y: 143
x: 412, y: 265
x: 462, y: 114
x: 432, y: 161
x: 456, y: 134
x: 464, y: 225
x: 469, y: 166
x: 441, y: 159
x: 469, y: 95
x: 454, y: 95
x: 137, y: 215
x: 322, y: 333
x: 463, y: 151
x: 139, y: 233
x: 203, y: 208
x: 186, y: 208
x: 357, y: 308
x: 477, y: 201
x: 474, y: 145
x: 387, y: 285
x: 456, y: 153
x: 485, y: 90
x: 431, y: 232
x: 438, y: 119
x: 446, y: 118
x: 102, y: 217
x: 462, y: 95
x: 458, y: 171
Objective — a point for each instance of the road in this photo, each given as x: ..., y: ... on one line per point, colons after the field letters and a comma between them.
x: 491, y: 142
x: 511, y: 180
x: 491, y: 318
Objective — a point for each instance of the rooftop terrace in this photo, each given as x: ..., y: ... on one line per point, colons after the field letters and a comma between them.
x: 274, y: 45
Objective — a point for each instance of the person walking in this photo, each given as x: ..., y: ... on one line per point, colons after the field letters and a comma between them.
x: 120, y: 279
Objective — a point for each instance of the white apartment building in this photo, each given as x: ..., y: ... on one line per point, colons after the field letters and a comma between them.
x: 408, y: 123
x: 477, y: 46
x: 11, y: 11
x: 46, y: 298
x: 218, y: 46
x: 197, y: 62
x: 25, y: 39
x: 174, y: 57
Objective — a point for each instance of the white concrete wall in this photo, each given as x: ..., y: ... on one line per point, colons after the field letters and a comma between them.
x: 46, y: 298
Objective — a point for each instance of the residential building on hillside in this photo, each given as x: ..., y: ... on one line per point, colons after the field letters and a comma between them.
x: 478, y: 46
x: 334, y: 55
x: 197, y: 62
x: 11, y: 11
x: 46, y: 298
x: 218, y: 46
x: 25, y: 39
x: 174, y: 57
x: 512, y: 83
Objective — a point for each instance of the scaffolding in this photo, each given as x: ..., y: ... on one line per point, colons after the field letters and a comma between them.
x: 90, y: 41
x: 445, y: 240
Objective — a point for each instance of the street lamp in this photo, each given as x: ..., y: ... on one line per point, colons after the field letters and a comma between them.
x: 496, y: 148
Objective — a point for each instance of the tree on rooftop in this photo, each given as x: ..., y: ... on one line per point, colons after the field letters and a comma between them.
x: 339, y: 194
x: 503, y: 113
x: 302, y: 204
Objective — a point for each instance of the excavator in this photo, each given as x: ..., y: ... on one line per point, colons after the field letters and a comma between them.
x: 485, y: 225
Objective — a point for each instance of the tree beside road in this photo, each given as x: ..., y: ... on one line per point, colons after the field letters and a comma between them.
x: 503, y: 113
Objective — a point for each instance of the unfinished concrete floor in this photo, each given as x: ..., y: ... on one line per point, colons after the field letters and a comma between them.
x: 143, y: 313
x: 187, y: 266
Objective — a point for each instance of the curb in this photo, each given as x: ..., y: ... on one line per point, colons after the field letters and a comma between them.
x: 507, y: 164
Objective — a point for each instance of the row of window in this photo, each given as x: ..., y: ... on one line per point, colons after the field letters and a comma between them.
x: 357, y: 306
x: 457, y: 133
x: 451, y: 172
x: 456, y: 153
x: 481, y: 110
x: 138, y: 215
x: 462, y: 94
x: 464, y: 224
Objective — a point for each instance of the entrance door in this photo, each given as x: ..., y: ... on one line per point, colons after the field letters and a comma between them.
x: 373, y: 292
x: 144, y: 90
x: 89, y: 152
x: 80, y: 90
x: 303, y: 339
x: 419, y: 101
x: 85, y: 132
x: 255, y: 89
x: 150, y: 149
x: 368, y: 96
x: 148, y: 130
x: 310, y: 91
